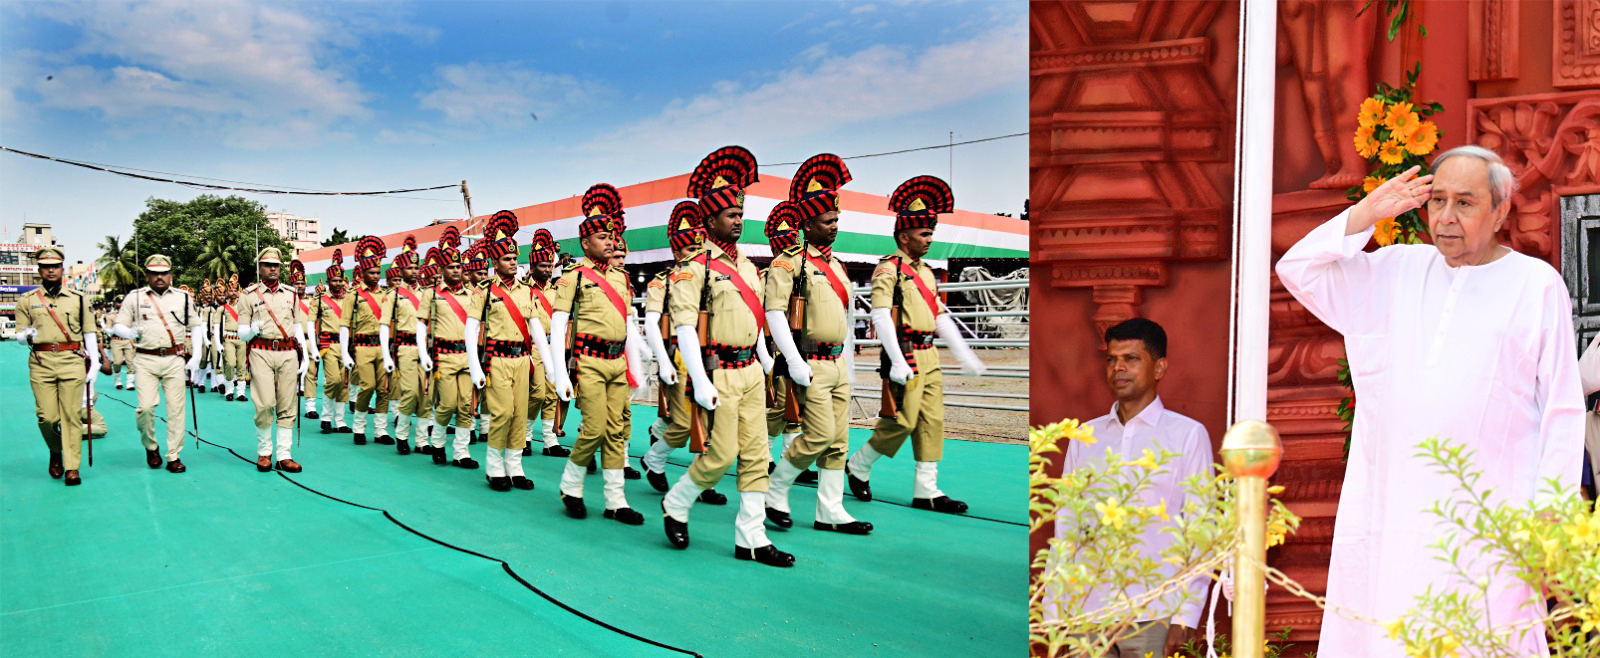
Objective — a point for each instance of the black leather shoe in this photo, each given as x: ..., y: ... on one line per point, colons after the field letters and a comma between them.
x: 556, y: 450
x: 780, y: 519
x: 630, y: 473
x: 594, y: 465
x: 229, y: 397
x: 501, y: 483
x: 327, y: 427
x: 575, y: 507
x: 768, y: 555
x: 944, y: 504
x: 771, y: 466
x: 345, y: 429
x: 402, y: 447
x: 176, y: 466
x: 72, y: 479
x: 527, y: 451
x: 658, y: 481
x: 438, y: 456
x: 473, y: 440
x: 361, y: 439
x: 851, y: 528
x: 384, y: 440
x: 807, y: 476
x: 152, y: 459
x: 859, y: 487
x: 450, y: 430
x: 56, y: 469
x: 311, y: 414
x: 522, y: 482
x: 677, y: 531
x: 626, y: 515
x: 465, y: 462
x: 711, y: 497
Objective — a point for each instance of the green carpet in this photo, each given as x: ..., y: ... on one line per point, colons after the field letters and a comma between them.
x: 225, y: 560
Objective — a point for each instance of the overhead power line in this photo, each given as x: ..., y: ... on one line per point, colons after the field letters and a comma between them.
x: 266, y: 189
x: 920, y: 148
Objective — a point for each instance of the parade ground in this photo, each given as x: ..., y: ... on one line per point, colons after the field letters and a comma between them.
x: 371, y: 552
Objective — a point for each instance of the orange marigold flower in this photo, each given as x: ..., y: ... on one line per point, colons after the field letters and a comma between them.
x: 1401, y: 120
x: 1422, y: 140
x: 1388, y: 231
x: 1391, y: 152
x: 1372, y: 111
x: 1366, y: 146
x: 1371, y: 183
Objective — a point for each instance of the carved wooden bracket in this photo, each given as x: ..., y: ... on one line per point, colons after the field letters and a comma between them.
x: 1552, y: 142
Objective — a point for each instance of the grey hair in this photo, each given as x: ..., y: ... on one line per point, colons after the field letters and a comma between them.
x: 1502, y: 184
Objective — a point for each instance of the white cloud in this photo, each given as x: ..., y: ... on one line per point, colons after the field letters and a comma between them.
x: 504, y: 93
x: 862, y: 9
x: 829, y: 92
x: 240, y: 70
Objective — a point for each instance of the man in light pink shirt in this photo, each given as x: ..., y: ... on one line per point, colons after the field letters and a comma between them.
x: 1136, y: 360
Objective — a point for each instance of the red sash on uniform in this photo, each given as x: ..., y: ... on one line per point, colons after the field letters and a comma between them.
x: 927, y: 295
x: 232, y: 313
x: 516, y: 313
x: 744, y: 291
x: 461, y: 313
x: 543, y: 301
x: 333, y: 304
x: 833, y: 280
x: 605, y: 287
x: 372, y: 303
x: 416, y: 304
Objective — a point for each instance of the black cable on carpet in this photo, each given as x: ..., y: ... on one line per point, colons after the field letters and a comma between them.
x: 503, y: 564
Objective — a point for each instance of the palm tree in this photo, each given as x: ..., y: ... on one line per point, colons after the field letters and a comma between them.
x: 221, y: 255
x: 119, y: 266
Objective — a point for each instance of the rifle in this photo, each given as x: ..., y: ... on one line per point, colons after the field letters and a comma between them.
x: 891, y: 391
x: 797, y: 324
x: 699, y: 424
x: 663, y: 410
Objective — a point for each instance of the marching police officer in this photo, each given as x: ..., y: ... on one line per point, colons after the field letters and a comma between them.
x: 270, y: 322
x: 541, y: 393
x: 60, y: 327
x: 903, y: 282
x: 719, y: 290
x: 333, y: 345
x: 165, y: 326
x: 368, y: 312
x: 401, y: 336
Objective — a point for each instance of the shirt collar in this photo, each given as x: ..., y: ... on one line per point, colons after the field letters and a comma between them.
x: 1150, y: 415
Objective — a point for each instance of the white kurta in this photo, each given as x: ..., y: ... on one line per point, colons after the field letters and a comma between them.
x: 1482, y: 355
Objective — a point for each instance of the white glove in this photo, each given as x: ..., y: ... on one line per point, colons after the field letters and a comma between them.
x: 348, y: 362
x: 478, y: 379
x: 899, y: 371
x: 631, y: 347
x: 422, y: 347
x: 474, y: 364
x: 383, y: 348
x: 250, y: 332
x: 300, y: 337
x: 946, y: 328
x: 762, y: 354
x: 425, y: 360
x: 536, y: 332
x: 799, y: 370
x: 344, y: 348
x: 558, y: 355
x: 705, y: 394
x: 92, y: 346
x: 118, y: 330
x: 197, y: 344
x: 26, y: 335
x: 652, y: 336
x: 388, y: 363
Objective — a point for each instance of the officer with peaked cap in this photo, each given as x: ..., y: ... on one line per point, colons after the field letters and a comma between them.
x: 165, y: 326
x: 60, y: 328
x: 270, y: 324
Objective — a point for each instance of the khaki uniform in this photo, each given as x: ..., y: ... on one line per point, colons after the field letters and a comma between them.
x: 332, y: 313
x: 57, y: 378
x: 825, y: 406
x: 541, y: 395
x: 274, y: 361
x: 600, y: 375
x: 233, y: 350
x: 405, y: 388
x: 452, y: 377
x: 367, y: 312
x: 922, y: 406
x: 655, y: 301
x: 121, y: 348
x: 162, y: 323
x: 506, y: 358
x: 738, y: 423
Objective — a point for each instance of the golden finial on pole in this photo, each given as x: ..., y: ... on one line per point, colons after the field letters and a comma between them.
x: 1250, y: 451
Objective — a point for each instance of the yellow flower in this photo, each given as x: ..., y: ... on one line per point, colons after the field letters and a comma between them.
x: 1388, y: 231
x: 1393, y: 628
x: 1401, y: 120
x: 1147, y: 461
x: 1079, y: 432
x: 1371, y: 112
x: 1275, y: 489
x: 1158, y: 510
x: 1371, y: 183
x: 1366, y: 146
x: 1422, y: 140
x: 1391, y: 152
x: 1112, y: 513
x: 1277, y: 530
x: 1584, y: 531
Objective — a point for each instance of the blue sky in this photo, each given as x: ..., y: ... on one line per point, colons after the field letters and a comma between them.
x: 383, y: 95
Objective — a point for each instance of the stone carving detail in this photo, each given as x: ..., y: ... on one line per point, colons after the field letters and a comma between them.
x: 1575, y: 60
x: 1552, y: 142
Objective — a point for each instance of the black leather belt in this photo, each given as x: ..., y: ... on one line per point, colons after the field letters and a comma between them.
x: 730, y: 357
x: 364, y: 340
x: 450, y: 346
x: 825, y: 351
x: 590, y: 345
x: 507, y: 348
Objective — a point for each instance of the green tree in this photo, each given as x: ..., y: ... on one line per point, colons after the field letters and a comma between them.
x: 336, y: 238
x: 119, y: 266
x: 206, y: 235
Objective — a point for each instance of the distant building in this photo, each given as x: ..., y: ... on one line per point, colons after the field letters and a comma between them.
x: 38, y: 235
x: 302, y: 233
x: 18, y: 273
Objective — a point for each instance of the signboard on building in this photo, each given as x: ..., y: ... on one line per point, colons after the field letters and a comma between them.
x: 16, y: 258
x: 16, y: 290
